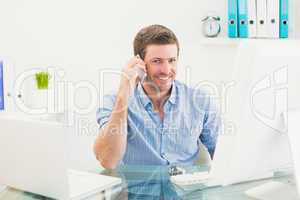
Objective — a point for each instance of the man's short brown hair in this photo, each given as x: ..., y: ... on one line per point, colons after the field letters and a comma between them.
x: 153, y: 34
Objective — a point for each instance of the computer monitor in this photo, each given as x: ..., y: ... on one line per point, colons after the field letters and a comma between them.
x: 293, y: 129
x: 266, y: 78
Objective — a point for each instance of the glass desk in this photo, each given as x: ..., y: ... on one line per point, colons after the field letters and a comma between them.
x: 152, y: 182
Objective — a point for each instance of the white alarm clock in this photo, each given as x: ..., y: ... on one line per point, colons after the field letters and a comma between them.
x: 211, y: 26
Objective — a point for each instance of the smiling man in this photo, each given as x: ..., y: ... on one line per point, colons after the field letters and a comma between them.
x: 157, y: 120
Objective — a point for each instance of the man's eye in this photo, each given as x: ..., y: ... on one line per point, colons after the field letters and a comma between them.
x: 172, y: 60
x: 156, y: 61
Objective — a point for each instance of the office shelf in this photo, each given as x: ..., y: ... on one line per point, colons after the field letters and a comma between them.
x: 220, y: 42
x: 228, y: 42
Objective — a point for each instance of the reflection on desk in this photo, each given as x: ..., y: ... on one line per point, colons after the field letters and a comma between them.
x: 153, y: 182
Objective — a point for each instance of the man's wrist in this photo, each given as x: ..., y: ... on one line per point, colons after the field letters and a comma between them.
x: 126, y: 87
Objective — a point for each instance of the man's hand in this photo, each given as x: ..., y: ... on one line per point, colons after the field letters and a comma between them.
x: 131, y: 72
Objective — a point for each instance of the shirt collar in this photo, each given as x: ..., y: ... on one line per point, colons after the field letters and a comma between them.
x: 142, y: 95
x: 172, y: 97
x: 146, y: 100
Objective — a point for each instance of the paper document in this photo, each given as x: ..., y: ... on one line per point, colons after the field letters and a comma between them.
x: 2, y: 188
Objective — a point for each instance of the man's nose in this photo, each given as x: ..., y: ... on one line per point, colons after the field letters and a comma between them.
x: 165, y: 68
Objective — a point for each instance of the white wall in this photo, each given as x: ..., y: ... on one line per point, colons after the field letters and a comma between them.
x: 83, y: 37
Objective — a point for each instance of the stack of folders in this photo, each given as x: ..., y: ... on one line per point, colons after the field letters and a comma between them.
x: 258, y: 18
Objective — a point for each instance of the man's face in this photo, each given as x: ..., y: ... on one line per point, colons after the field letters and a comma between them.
x: 161, y: 63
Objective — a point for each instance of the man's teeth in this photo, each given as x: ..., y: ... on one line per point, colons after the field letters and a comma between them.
x: 164, y: 78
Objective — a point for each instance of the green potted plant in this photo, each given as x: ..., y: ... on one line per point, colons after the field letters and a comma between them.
x: 42, y: 80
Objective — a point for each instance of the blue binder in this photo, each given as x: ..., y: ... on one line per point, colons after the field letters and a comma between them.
x: 243, y: 18
x: 232, y: 19
x: 283, y: 19
x: 1, y: 87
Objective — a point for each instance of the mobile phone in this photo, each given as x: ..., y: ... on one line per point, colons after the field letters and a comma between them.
x: 141, y: 73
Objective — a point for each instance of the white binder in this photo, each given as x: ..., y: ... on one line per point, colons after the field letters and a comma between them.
x: 252, y: 18
x: 273, y: 18
x: 261, y: 15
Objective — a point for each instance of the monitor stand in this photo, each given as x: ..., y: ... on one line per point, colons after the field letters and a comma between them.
x: 274, y: 190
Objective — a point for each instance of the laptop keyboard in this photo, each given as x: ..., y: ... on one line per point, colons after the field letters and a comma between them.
x: 83, y: 182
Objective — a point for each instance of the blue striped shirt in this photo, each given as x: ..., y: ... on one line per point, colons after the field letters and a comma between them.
x: 190, y: 117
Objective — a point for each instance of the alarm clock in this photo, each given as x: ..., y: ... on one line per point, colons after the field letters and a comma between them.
x: 211, y: 26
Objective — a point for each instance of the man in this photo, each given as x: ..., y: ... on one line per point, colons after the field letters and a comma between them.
x: 156, y: 121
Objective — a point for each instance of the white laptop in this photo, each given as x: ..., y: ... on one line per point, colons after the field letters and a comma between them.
x: 33, y: 158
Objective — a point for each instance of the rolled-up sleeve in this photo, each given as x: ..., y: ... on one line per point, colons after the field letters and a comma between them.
x: 104, y: 112
x: 211, y: 126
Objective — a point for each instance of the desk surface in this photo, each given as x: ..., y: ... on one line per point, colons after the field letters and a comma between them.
x: 152, y: 182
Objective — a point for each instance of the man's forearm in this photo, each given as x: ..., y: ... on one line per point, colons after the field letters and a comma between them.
x: 110, y: 145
